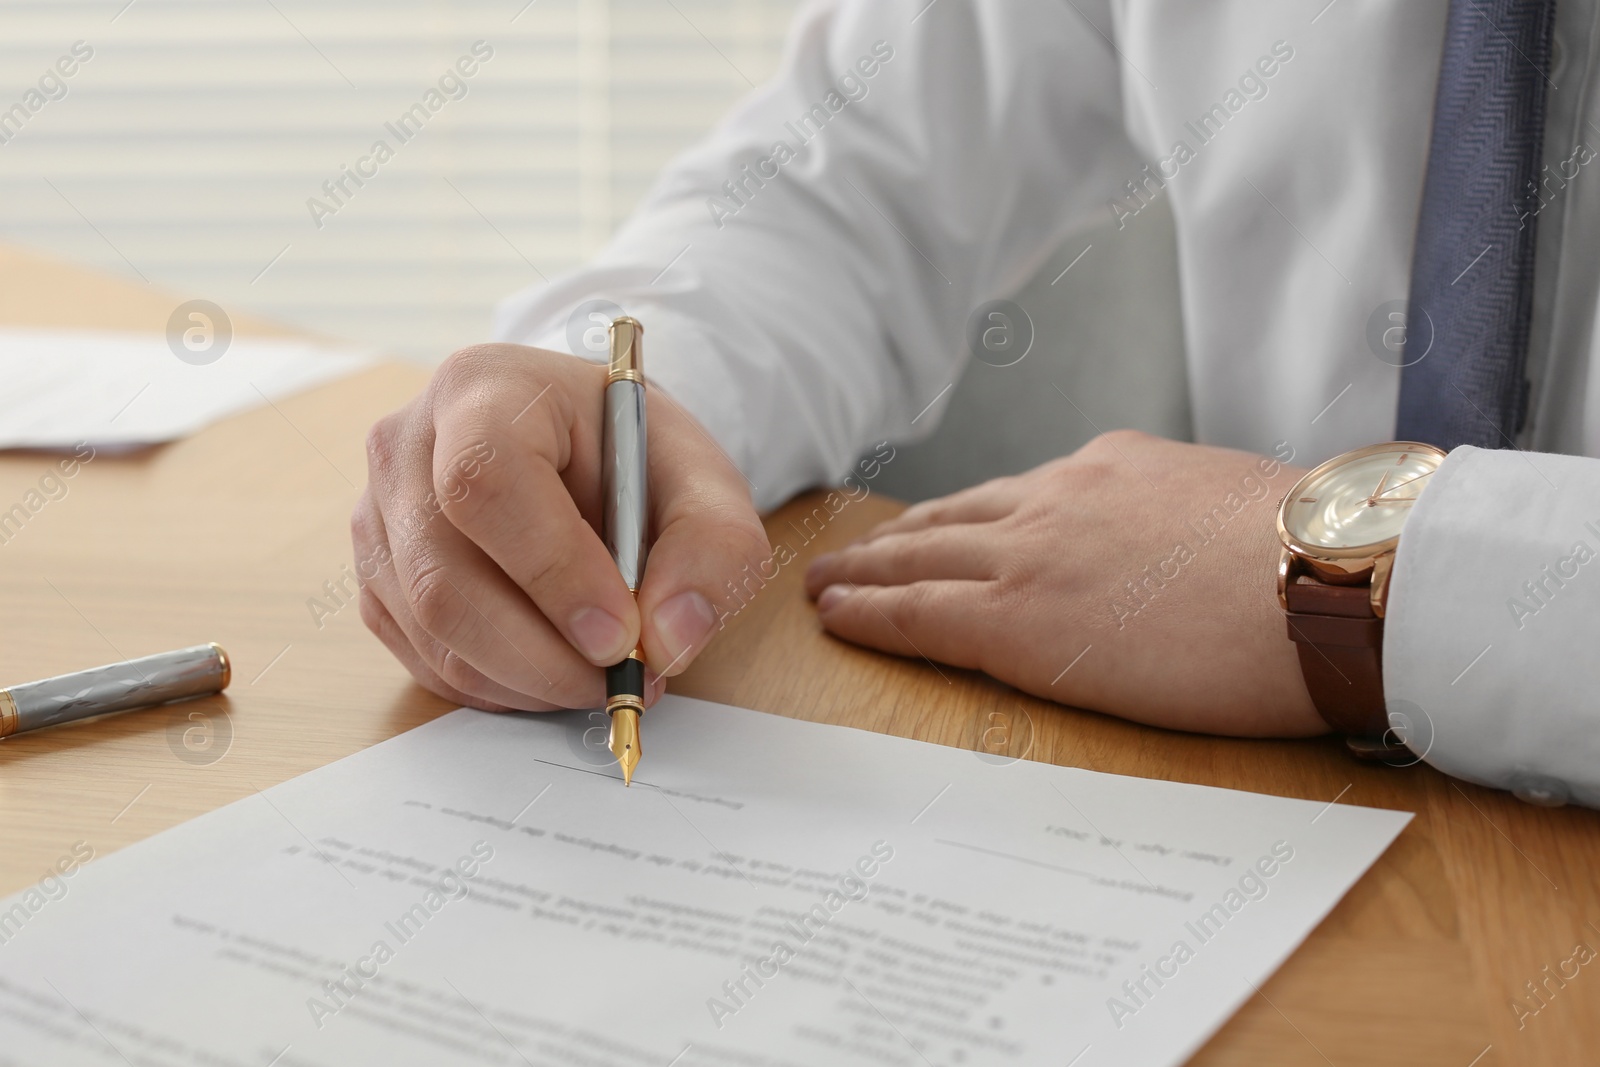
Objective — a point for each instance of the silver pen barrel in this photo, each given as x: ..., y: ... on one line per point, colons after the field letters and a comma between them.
x: 624, y: 472
x: 134, y: 683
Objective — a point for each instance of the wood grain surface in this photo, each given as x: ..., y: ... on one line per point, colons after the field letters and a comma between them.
x: 227, y: 535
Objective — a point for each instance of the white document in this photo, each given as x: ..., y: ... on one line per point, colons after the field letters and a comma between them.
x: 483, y: 890
x: 116, y: 390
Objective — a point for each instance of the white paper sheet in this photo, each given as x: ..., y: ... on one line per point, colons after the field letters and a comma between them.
x: 116, y: 390
x: 482, y: 890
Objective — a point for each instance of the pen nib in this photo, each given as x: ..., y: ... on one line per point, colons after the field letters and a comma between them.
x: 624, y: 740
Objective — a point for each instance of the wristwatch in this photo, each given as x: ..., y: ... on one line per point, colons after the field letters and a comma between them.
x: 1340, y: 526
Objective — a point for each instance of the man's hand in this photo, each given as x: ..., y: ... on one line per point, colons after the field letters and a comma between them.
x: 478, y: 542
x: 1135, y: 577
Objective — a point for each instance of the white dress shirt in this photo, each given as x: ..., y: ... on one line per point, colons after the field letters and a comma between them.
x: 807, y: 271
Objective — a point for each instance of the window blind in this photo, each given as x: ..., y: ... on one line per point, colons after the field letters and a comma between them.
x: 194, y: 140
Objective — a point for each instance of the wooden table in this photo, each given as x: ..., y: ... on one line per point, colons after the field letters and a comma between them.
x: 226, y: 536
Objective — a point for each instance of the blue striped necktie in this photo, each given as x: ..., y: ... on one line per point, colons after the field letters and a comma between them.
x: 1472, y: 272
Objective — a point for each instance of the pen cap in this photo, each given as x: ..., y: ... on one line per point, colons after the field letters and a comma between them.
x: 134, y: 683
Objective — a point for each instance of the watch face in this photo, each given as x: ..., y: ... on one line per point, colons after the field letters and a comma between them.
x: 1361, y: 500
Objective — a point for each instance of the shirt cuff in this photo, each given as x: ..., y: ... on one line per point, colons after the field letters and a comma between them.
x: 1489, y: 658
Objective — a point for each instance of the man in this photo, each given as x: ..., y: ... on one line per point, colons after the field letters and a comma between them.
x: 805, y: 276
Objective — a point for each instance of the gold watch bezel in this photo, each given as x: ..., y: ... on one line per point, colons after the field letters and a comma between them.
x: 1356, y: 557
x: 1343, y: 566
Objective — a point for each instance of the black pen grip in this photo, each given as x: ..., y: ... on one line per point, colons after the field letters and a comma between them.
x: 625, y: 679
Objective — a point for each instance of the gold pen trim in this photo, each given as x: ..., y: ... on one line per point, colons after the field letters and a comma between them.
x: 626, y: 358
x: 9, y: 719
x: 227, y: 665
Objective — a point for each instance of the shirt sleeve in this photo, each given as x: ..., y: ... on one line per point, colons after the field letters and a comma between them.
x: 805, y: 274
x: 1491, y: 657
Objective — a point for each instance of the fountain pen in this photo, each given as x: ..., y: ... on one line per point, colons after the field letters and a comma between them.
x: 623, y: 470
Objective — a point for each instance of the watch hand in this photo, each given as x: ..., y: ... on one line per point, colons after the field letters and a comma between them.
x: 1408, y: 481
x: 1373, y: 500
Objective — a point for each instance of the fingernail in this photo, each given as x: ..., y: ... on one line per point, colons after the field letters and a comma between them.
x: 831, y: 596
x: 600, y: 635
x: 683, y: 621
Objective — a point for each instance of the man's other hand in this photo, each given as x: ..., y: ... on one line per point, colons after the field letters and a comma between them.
x: 1135, y: 576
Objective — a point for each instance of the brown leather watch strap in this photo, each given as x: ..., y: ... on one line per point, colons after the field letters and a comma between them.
x: 1340, y: 641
